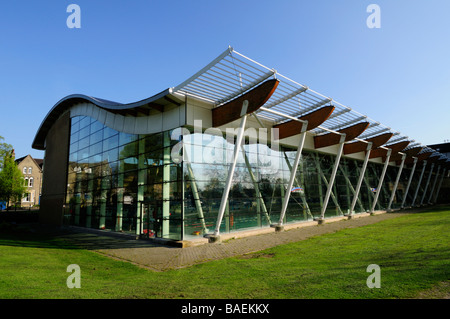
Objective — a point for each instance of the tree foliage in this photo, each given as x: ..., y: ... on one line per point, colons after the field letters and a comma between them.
x: 5, y: 150
x: 11, y: 178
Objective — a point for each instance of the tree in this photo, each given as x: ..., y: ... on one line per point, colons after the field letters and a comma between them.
x: 5, y: 150
x: 11, y: 179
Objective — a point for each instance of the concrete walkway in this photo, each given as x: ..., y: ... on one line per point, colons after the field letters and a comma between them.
x: 159, y: 257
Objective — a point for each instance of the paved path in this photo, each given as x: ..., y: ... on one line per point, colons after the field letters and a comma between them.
x: 161, y: 258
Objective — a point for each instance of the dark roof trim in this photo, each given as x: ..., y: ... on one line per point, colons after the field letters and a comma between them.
x: 67, y: 102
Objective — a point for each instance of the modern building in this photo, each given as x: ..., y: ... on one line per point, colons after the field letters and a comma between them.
x: 236, y: 146
x: 443, y: 148
x: 31, y: 169
x: 442, y: 197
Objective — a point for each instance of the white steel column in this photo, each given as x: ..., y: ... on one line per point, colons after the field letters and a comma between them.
x: 195, y: 194
x: 409, y: 182
x: 259, y: 197
x: 348, y: 189
x: 428, y: 182
x: 396, y: 181
x: 440, y: 184
x: 165, y: 221
x: 197, y: 201
x: 301, y: 183
x: 120, y: 193
x: 380, y: 183
x: 226, y: 191
x: 361, y: 177
x: 434, y: 184
x: 77, y: 197
x: 333, y: 176
x: 418, y: 184
x: 293, y: 172
x: 142, y: 181
x: 325, y: 181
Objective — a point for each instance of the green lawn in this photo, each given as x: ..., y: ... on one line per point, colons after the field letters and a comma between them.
x: 412, y: 251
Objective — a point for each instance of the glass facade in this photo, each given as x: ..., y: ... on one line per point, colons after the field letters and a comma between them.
x: 123, y: 182
x: 139, y: 184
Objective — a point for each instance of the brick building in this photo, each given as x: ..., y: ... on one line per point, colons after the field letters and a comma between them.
x: 31, y: 169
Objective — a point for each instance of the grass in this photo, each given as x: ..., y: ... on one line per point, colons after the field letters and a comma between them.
x: 412, y: 252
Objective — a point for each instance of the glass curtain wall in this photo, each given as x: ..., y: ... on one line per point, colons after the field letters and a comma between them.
x: 428, y: 178
x: 123, y: 182
x: 401, y: 188
x: 260, y: 181
x: 257, y: 188
x: 170, y: 185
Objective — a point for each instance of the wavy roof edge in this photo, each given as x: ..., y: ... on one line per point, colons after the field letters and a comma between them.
x: 65, y: 103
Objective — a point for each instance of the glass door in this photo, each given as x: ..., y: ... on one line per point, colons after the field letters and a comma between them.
x: 151, y: 219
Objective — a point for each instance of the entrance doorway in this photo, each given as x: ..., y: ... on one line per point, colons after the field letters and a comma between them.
x: 151, y: 217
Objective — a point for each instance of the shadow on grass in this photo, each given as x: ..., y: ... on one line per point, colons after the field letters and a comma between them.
x: 437, y: 208
x: 425, y: 209
x: 43, y: 236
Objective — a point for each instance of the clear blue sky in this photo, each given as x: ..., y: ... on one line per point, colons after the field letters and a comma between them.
x: 125, y: 51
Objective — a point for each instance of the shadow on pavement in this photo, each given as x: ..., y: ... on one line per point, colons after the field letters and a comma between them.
x: 44, y: 236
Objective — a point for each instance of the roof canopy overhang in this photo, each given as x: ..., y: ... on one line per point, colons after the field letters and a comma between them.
x: 227, y: 79
x: 232, y: 74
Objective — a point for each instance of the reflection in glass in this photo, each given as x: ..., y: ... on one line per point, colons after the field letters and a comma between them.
x: 112, y: 175
x: 117, y: 180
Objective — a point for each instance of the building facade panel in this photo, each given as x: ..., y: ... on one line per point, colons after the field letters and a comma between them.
x: 55, y: 171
